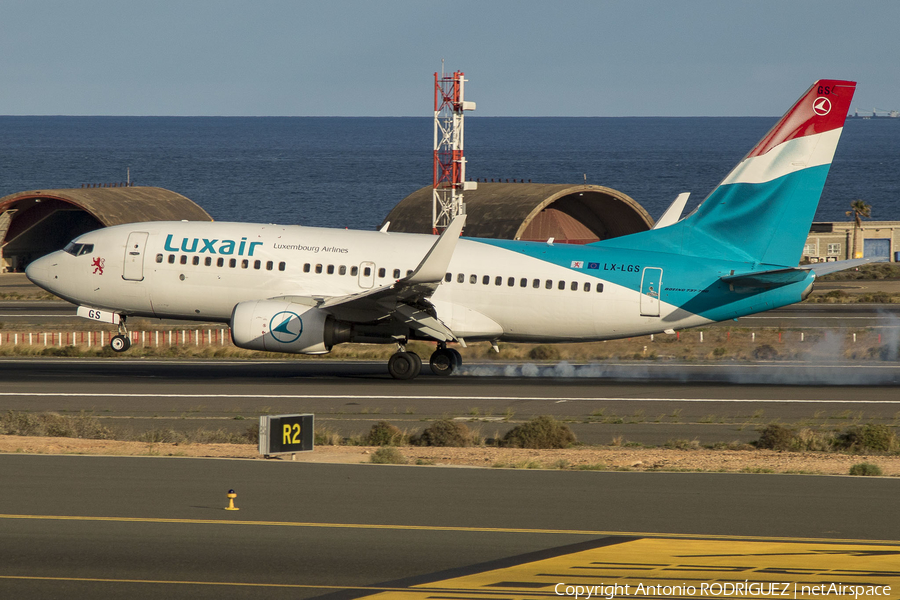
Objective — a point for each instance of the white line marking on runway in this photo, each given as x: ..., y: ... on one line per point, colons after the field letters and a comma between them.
x: 391, y: 397
x: 12, y: 315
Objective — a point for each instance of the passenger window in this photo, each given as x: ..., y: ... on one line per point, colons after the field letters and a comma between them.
x: 367, y: 272
x: 342, y: 270
x: 306, y: 267
x: 511, y: 281
x: 183, y: 259
x: 498, y: 280
x: 574, y: 286
x: 548, y: 284
x: 220, y: 262
x: 171, y: 259
x: 448, y: 277
x: 232, y: 263
x: 473, y: 278
x: 460, y: 278
x: 159, y: 258
x: 281, y: 266
x: 208, y: 261
x: 486, y: 280
x: 587, y: 286
x: 523, y: 282
x: 245, y: 263
x: 331, y: 269
x: 270, y: 265
x: 318, y: 268
x: 599, y: 288
x: 257, y: 264
x: 396, y: 273
x: 562, y: 285
x: 536, y: 283
x: 355, y: 270
x: 382, y: 272
x: 196, y: 261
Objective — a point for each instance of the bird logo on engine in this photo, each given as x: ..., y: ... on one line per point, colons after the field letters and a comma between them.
x: 286, y: 327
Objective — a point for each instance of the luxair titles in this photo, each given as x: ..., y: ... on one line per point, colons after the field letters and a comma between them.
x: 239, y: 248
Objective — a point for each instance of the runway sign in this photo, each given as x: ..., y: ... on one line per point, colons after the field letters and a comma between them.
x: 285, y: 434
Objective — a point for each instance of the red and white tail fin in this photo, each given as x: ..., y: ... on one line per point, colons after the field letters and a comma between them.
x: 762, y: 211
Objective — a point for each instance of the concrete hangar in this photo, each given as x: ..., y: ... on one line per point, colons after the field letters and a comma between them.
x: 575, y: 214
x: 35, y: 223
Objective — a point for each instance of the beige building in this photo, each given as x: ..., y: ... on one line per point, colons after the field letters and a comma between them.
x: 835, y: 241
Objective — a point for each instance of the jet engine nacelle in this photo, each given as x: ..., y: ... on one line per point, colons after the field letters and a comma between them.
x: 284, y: 326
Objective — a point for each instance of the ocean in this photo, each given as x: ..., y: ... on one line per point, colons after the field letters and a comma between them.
x: 350, y: 172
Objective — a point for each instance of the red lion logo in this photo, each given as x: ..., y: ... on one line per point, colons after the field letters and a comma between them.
x: 98, y: 265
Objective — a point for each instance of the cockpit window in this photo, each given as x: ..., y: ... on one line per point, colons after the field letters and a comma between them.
x: 79, y: 249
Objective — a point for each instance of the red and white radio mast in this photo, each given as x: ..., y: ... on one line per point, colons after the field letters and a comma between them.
x: 449, y: 162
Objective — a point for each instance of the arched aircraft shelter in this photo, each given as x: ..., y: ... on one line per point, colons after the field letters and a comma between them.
x: 37, y: 222
x: 576, y: 214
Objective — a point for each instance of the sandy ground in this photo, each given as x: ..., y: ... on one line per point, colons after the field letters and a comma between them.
x: 611, y: 458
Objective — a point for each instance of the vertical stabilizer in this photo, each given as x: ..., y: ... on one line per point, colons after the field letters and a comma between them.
x: 762, y: 211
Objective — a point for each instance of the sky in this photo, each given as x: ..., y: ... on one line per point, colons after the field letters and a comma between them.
x: 377, y: 58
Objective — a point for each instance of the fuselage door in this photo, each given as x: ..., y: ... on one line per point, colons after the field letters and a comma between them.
x: 651, y: 283
x: 133, y: 269
x: 366, y: 275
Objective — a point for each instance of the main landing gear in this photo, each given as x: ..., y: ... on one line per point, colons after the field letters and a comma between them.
x: 122, y: 341
x: 444, y: 360
x: 408, y: 365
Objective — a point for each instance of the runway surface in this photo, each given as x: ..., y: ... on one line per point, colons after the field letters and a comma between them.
x: 105, y: 527
x: 640, y: 402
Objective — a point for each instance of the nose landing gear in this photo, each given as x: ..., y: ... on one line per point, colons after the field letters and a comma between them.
x: 122, y: 341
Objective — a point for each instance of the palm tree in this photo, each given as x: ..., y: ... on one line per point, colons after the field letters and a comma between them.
x: 858, y: 210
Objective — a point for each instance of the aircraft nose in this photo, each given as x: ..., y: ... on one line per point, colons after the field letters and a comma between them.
x: 39, y: 271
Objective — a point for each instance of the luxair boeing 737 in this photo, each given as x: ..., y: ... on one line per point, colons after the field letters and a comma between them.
x: 286, y: 288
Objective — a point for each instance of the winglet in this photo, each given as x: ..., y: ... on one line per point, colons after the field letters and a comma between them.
x: 435, y: 263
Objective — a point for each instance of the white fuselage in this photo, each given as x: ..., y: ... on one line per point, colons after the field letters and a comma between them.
x: 200, y: 271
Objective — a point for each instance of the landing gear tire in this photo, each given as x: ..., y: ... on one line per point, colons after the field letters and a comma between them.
x: 404, y: 365
x: 456, y: 356
x: 445, y: 361
x: 120, y: 343
x: 418, y: 360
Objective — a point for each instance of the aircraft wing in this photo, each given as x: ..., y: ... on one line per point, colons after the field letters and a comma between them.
x: 406, y: 299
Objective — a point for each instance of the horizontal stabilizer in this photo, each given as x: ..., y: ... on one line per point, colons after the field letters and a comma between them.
x: 777, y: 277
x: 773, y: 278
x: 824, y: 268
